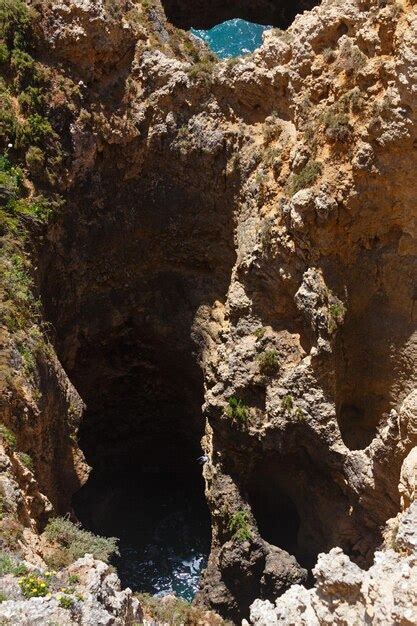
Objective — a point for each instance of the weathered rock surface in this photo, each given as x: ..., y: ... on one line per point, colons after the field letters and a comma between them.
x: 345, y: 594
x: 95, y: 599
x: 264, y: 213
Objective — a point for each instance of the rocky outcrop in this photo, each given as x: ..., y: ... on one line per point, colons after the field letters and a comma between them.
x: 345, y: 594
x: 86, y: 593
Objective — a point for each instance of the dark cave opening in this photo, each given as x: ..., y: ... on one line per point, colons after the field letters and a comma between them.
x: 201, y: 14
x: 142, y: 438
x: 277, y: 517
x: 124, y: 304
x: 291, y: 497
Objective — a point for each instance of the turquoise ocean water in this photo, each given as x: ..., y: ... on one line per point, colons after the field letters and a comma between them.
x: 232, y: 38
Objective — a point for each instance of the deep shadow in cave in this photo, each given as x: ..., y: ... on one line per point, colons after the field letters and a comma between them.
x: 155, y: 504
x: 291, y: 499
x: 276, y: 516
x: 142, y: 438
x: 202, y: 14
x: 133, y: 278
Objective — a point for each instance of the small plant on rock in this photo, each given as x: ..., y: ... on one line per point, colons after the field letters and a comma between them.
x: 65, y: 601
x: 202, y: 71
x: 73, y: 579
x: 239, y: 526
x: 299, y: 414
x: 8, y: 437
x: 71, y: 542
x: 338, y: 128
x: 174, y: 611
x: 10, y: 565
x: 337, y: 312
x: 27, y: 460
x: 287, y: 403
x: 33, y: 586
x: 35, y: 160
x: 259, y: 332
x: 272, y: 129
x: 270, y: 157
x: 237, y: 410
x: 268, y: 362
x: 306, y: 177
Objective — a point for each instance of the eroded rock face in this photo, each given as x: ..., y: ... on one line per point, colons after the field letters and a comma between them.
x: 344, y: 593
x: 256, y: 219
x: 96, y: 598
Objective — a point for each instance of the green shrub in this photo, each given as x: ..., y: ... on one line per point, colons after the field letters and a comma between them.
x: 202, y: 71
x: 270, y: 156
x: 3, y: 597
x: 4, y: 54
x: 272, y: 129
x: 35, y: 160
x: 35, y: 130
x: 28, y: 358
x: 33, y: 586
x: 8, y: 437
x: 16, y: 280
x: 306, y: 177
x: 72, y: 542
x: 10, y: 179
x: 39, y: 208
x: 31, y: 100
x: 268, y: 361
x: 259, y: 332
x: 351, y: 59
x: 8, y: 187
x: 237, y: 410
x: 239, y: 526
x: 337, y: 126
x: 9, y: 565
x: 10, y: 533
x: 287, y: 403
x: 8, y: 120
x: 23, y: 66
x: 173, y: 611
x: 191, y: 49
x: 27, y: 460
x: 337, y: 312
x: 73, y: 579
x: 14, y: 21
x: 66, y: 602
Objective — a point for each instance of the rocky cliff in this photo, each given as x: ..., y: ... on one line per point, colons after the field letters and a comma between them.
x: 180, y: 232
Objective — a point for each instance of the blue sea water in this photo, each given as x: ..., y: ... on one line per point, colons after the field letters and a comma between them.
x: 232, y: 38
x: 163, y: 525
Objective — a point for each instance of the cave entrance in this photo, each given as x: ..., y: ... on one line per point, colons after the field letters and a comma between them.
x: 141, y: 434
x: 291, y: 496
x: 201, y: 14
x: 142, y: 439
x: 277, y: 517
x: 139, y: 261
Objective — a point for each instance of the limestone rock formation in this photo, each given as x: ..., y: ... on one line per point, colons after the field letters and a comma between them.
x: 239, y: 235
x: 346, y: 594
x: 95, y: 598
